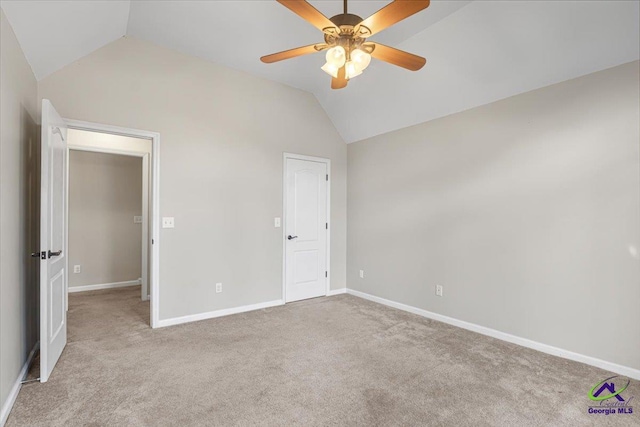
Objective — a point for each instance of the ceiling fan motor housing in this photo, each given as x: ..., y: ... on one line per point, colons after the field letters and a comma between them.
x: 346, y: 19
x: 348, y: 24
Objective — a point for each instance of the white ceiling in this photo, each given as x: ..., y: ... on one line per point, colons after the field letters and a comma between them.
x: 477, y: 52
x: 54, y: 34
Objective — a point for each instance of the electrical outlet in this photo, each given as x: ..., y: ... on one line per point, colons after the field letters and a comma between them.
x: 362, y: 274
x: 137, y: 219
x: 77, y: 269
x: 167, y: 222
x: 439, y: 290
x: 218, y: 288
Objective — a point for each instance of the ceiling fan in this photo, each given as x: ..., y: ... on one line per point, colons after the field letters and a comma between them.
x: 345, y: 36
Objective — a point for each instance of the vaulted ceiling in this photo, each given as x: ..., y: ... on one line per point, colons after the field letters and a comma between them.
x: 477, y: 52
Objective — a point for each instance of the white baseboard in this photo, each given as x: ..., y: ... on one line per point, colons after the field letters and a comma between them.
x: 13, y: 394
x: 85, y: 288
x: 218, y: 313
x: 229, y: 311
x: 555, y: 351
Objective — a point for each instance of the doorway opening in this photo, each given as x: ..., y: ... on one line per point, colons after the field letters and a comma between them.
x: 113, y: 220
x: 108, y: 233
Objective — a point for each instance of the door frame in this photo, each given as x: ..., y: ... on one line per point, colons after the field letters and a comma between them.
x: 145, y: 206
x: 154, y: 257
x: 285, y: 157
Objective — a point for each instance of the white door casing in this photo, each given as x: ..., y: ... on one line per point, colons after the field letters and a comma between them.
x: 145, y: 228
x: 153, y: 240
x: 53, y: 234
x: 306, y: 228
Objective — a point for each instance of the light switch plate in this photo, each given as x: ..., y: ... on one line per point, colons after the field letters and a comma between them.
x: 167, y: 222
x: 362, y: 274
x: 276, y: 223
x: 137, y: 219
x: 218, y: 288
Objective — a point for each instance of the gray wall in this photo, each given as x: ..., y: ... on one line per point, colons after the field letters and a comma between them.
x: 223, y: 133
x: 526, y: 210
x: 19, y: 201
x: 105, y: 193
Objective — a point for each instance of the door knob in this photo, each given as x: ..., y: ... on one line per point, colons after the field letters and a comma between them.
x: 290, y: 237
x: 56, y: 253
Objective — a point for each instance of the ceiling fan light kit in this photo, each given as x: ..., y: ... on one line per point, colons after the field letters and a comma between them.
x: 336, y: 58
x: 345, y: 35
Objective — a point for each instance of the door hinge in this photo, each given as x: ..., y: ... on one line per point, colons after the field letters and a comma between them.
x: 326, y: 274
x: 326, y: 225
x: 327, y: 177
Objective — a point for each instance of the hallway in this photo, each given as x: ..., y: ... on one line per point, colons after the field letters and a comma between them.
x: 97, y: 315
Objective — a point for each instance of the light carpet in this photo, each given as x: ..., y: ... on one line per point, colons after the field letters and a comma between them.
x: 328, y: 361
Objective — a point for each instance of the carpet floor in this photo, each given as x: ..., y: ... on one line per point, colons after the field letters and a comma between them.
x: 328, y: 361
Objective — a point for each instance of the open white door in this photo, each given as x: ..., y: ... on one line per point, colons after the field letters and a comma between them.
x: 306, y: 229
x: 53, y: 233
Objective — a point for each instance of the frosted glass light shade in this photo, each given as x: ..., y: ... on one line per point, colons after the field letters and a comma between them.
x: 336, y: 56
x: 361, y: 59
x: 352, y: 70
x: 330, y: 69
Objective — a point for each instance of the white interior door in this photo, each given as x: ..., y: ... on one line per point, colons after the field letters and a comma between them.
x: 53, y: 234
x: 305, y: 229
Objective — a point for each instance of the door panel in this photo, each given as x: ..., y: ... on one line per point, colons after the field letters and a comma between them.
x: 305, y: 265
x: 56, y: 310
x: 306, y: 219
x: 305, y: 199
x: 53, y: 275
x: 57, y: 186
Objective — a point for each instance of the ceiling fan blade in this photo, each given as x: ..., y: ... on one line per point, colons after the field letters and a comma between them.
x: 391, y: 14
x: 292, y: 53
x: 398, y: 57
x: 310, y: 14
x: 340, y: 81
